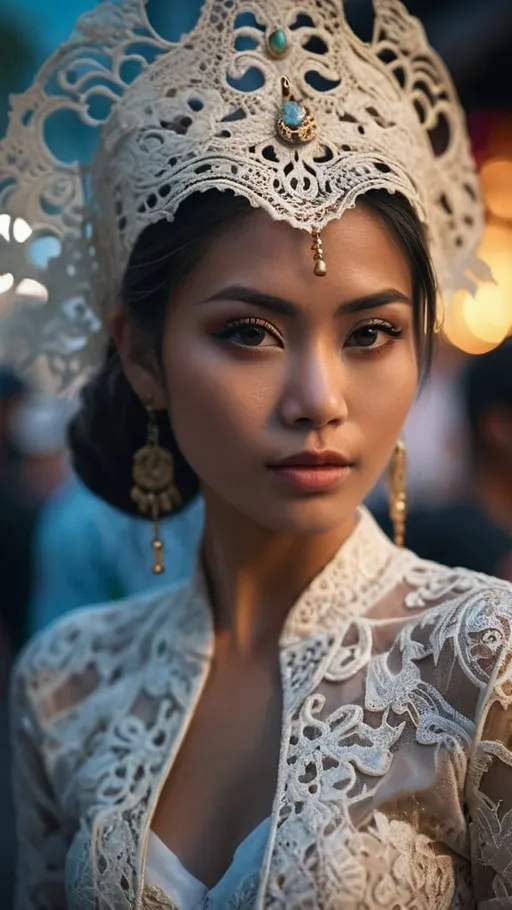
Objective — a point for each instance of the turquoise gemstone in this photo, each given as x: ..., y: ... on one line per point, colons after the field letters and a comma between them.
x: 278, y: 42
x: 293, y: 114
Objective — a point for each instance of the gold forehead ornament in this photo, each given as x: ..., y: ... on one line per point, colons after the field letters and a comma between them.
x: 295, y: 123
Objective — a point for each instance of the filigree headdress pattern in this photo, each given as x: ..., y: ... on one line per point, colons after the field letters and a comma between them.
x: 162, y: 120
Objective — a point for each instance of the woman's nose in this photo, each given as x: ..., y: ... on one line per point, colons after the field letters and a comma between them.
x: 314, y: 391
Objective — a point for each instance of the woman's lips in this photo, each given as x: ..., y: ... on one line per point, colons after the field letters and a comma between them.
x: 310, y: 478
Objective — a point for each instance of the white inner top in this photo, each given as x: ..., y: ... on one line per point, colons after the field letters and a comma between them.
x: 164, y: 869
x: 167, y: 872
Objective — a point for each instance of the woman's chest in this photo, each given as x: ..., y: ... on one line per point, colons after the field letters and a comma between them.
x: 361, y: 802
x: 222, y: 782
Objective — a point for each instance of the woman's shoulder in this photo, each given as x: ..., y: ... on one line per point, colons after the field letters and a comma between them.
x: 471, y: 610
x: 90, y: 647
x: 428, y: 583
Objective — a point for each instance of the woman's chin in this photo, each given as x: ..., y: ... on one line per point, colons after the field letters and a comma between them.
x: 307, y: 516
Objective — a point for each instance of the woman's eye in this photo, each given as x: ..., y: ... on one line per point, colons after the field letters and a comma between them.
x: 373, y: 335
x: 253, y: 333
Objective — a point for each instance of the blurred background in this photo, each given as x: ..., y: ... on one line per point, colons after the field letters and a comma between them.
x: 61, y: 548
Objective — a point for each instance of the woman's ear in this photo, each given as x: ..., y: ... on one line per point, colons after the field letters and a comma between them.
x: 138, y: 360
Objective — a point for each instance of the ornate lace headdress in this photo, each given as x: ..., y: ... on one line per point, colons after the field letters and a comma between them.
x: 276, y: 100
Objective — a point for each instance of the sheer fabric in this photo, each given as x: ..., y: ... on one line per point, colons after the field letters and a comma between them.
x: 394, y: 782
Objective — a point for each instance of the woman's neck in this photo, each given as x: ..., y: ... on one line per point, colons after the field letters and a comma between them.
x: 256, y: 575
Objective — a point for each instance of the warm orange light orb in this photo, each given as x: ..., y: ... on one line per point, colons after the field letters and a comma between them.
x: 496, y: 180
x: 457, y: 331
x: 488, y: 315
x: 478, y: 324
x: 496, y: 250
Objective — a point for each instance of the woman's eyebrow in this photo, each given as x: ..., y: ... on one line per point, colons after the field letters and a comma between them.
x: 371, y: 301
x: 256, y: 298
x: 284, y: 307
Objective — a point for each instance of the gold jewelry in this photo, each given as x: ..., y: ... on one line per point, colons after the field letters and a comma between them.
x: 295, y: 123
x: 154, y: 491
x: 398, y: 494
x: 320, y: 266
x: 440, y: 316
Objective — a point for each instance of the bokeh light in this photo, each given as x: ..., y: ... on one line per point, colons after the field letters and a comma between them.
x: 6, y: 282
x: 30, y: 288
x: 496, y: 178
x: 476, y: 324
x: 457, y: 331
x: 488, y: 314
x: 21, y: 231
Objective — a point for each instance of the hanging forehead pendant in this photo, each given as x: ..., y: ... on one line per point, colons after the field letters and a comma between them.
x: 295, y: 123
x: 320, y: 266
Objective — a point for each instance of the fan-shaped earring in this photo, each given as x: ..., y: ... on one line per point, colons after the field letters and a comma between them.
x: 154, y: 491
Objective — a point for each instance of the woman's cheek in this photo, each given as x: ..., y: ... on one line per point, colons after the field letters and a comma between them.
x: 379, y: 399
x: 243, y: 377
x: 217, y: 406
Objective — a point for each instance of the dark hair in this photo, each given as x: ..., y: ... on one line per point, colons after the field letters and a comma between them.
x: 111, y: 423
x: 11, y: 384
x: 487, y: 384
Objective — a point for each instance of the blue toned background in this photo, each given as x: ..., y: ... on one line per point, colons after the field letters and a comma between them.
x: 31, y: 29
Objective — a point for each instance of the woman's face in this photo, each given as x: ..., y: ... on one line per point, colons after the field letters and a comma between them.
x: 265, y: 362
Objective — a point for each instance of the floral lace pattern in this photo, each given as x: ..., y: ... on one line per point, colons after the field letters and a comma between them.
x: 153, y: 898
x: 165, y: 120
x: 394, y: 782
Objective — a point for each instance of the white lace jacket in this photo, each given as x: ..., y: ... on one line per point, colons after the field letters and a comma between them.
x: 395, y: 777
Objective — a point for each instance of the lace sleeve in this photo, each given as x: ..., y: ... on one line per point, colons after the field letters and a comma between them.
x: 489, y: 787
x: 42, y: 837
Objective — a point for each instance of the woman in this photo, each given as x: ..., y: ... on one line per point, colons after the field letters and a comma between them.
x: 320, y: 718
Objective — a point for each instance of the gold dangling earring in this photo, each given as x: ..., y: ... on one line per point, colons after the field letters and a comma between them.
x: 154, y: 492
x: 398, y: 494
